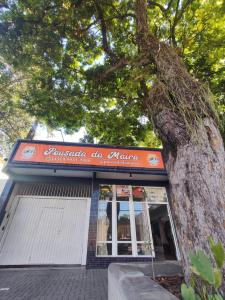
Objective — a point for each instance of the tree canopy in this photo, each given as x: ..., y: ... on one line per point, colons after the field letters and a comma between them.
x: 83, y: 67
x: 14, y: 121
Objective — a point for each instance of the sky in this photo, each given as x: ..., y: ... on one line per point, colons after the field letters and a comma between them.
x: 58, y: 135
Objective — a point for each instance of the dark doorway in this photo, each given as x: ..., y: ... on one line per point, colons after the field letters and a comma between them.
x: 161, y: 232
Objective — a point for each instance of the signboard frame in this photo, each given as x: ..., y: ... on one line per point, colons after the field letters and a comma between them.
x: 106, y: 168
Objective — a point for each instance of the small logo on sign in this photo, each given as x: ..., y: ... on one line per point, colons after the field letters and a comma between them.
x: 153, y: 159
x: 28, y: 152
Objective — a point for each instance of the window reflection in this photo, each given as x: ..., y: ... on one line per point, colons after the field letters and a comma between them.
x: 122, y: 192
x: 106, y: 192
x: 161, y: 231
x: 144, y: 248
x: 104, y: 249
x: 123, y: 221
x: 138, y: 193
x: 139, y: 206
x: 124, y: 249
x: 116, y: 204
x: 104, y: 221
x: 156, y: 194
x: 141, y: 222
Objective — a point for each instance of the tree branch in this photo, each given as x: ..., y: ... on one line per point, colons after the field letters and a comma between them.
x: 169, y: 5
x: 183, y: 8
x: 121, y: 16
x: 143, y: 94
x: 105, y: 43
x: 122, y: 63
x: 148, y: 43
x: 162, y: 8
x: 177, y: 18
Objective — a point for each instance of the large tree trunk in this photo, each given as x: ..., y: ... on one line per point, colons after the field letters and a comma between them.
x: 197, y: 176
x: 193, y: 148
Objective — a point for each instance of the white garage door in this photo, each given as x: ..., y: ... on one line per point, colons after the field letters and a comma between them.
x: 46, y: 231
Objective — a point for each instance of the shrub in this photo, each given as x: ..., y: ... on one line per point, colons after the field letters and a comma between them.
x: 205, y: 279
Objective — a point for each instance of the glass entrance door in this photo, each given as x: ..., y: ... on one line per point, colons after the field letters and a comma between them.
x: 143, y: 235
x: 123, y: 222
x: 163, y: 232
x: 135, y: 221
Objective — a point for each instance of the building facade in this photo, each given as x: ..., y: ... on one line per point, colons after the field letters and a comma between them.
x: 80, y: 204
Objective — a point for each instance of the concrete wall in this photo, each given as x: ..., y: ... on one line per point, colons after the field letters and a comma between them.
x: 132, y: 282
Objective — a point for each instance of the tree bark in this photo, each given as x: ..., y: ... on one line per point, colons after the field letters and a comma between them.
x: 193, y: 148
x: 196, y: 175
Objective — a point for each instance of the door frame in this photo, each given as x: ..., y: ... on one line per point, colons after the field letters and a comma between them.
x: 6, y: 223
x: 133, y: 240
x: 171, y: 225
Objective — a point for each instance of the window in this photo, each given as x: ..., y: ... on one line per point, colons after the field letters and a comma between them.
x: 156, y: 194
x: 104, y: 233
x: 139, y: 193
x: 163, y: 239
x: 125, y: 219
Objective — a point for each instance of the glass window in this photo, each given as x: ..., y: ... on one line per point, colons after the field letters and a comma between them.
x: 138, y: 193
x: 141, y: 223
x: 106, y: 192
x: 162, y: 232
x: 122, y: 192
x: 134, y: 220
x: 123, y: 221
x: 144, y: 248
x: 156, y: 194
x: 124, y: 248
x: 104, y: 232
x: 104, y: 249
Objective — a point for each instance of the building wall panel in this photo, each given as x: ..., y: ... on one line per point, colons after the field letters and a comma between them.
x: 75, y: 189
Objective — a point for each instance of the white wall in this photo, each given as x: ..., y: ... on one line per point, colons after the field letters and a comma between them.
x: 3, y: 178
x: 2, y: 184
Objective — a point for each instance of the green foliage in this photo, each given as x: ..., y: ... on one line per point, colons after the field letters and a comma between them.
x: 217, y: 277
x: 14, y: 122
x: 218, y: 252
x: 205, y: 280
x: 188, y: 293
x: 202, y: 266
x: 64, y: 48
x: 215, y: 297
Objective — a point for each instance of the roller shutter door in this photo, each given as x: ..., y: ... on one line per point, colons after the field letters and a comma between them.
x: 45, y: 231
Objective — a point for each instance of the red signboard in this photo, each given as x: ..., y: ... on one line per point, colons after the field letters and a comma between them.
x: 88, y: 156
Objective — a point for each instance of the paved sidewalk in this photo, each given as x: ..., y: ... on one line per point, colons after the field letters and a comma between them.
x: 53, y: 284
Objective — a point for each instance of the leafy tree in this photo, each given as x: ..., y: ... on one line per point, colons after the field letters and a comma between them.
x: 108, y: 64
x: 14, y: 122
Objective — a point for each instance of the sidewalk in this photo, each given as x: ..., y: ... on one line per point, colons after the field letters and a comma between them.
x: 53, y: 284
